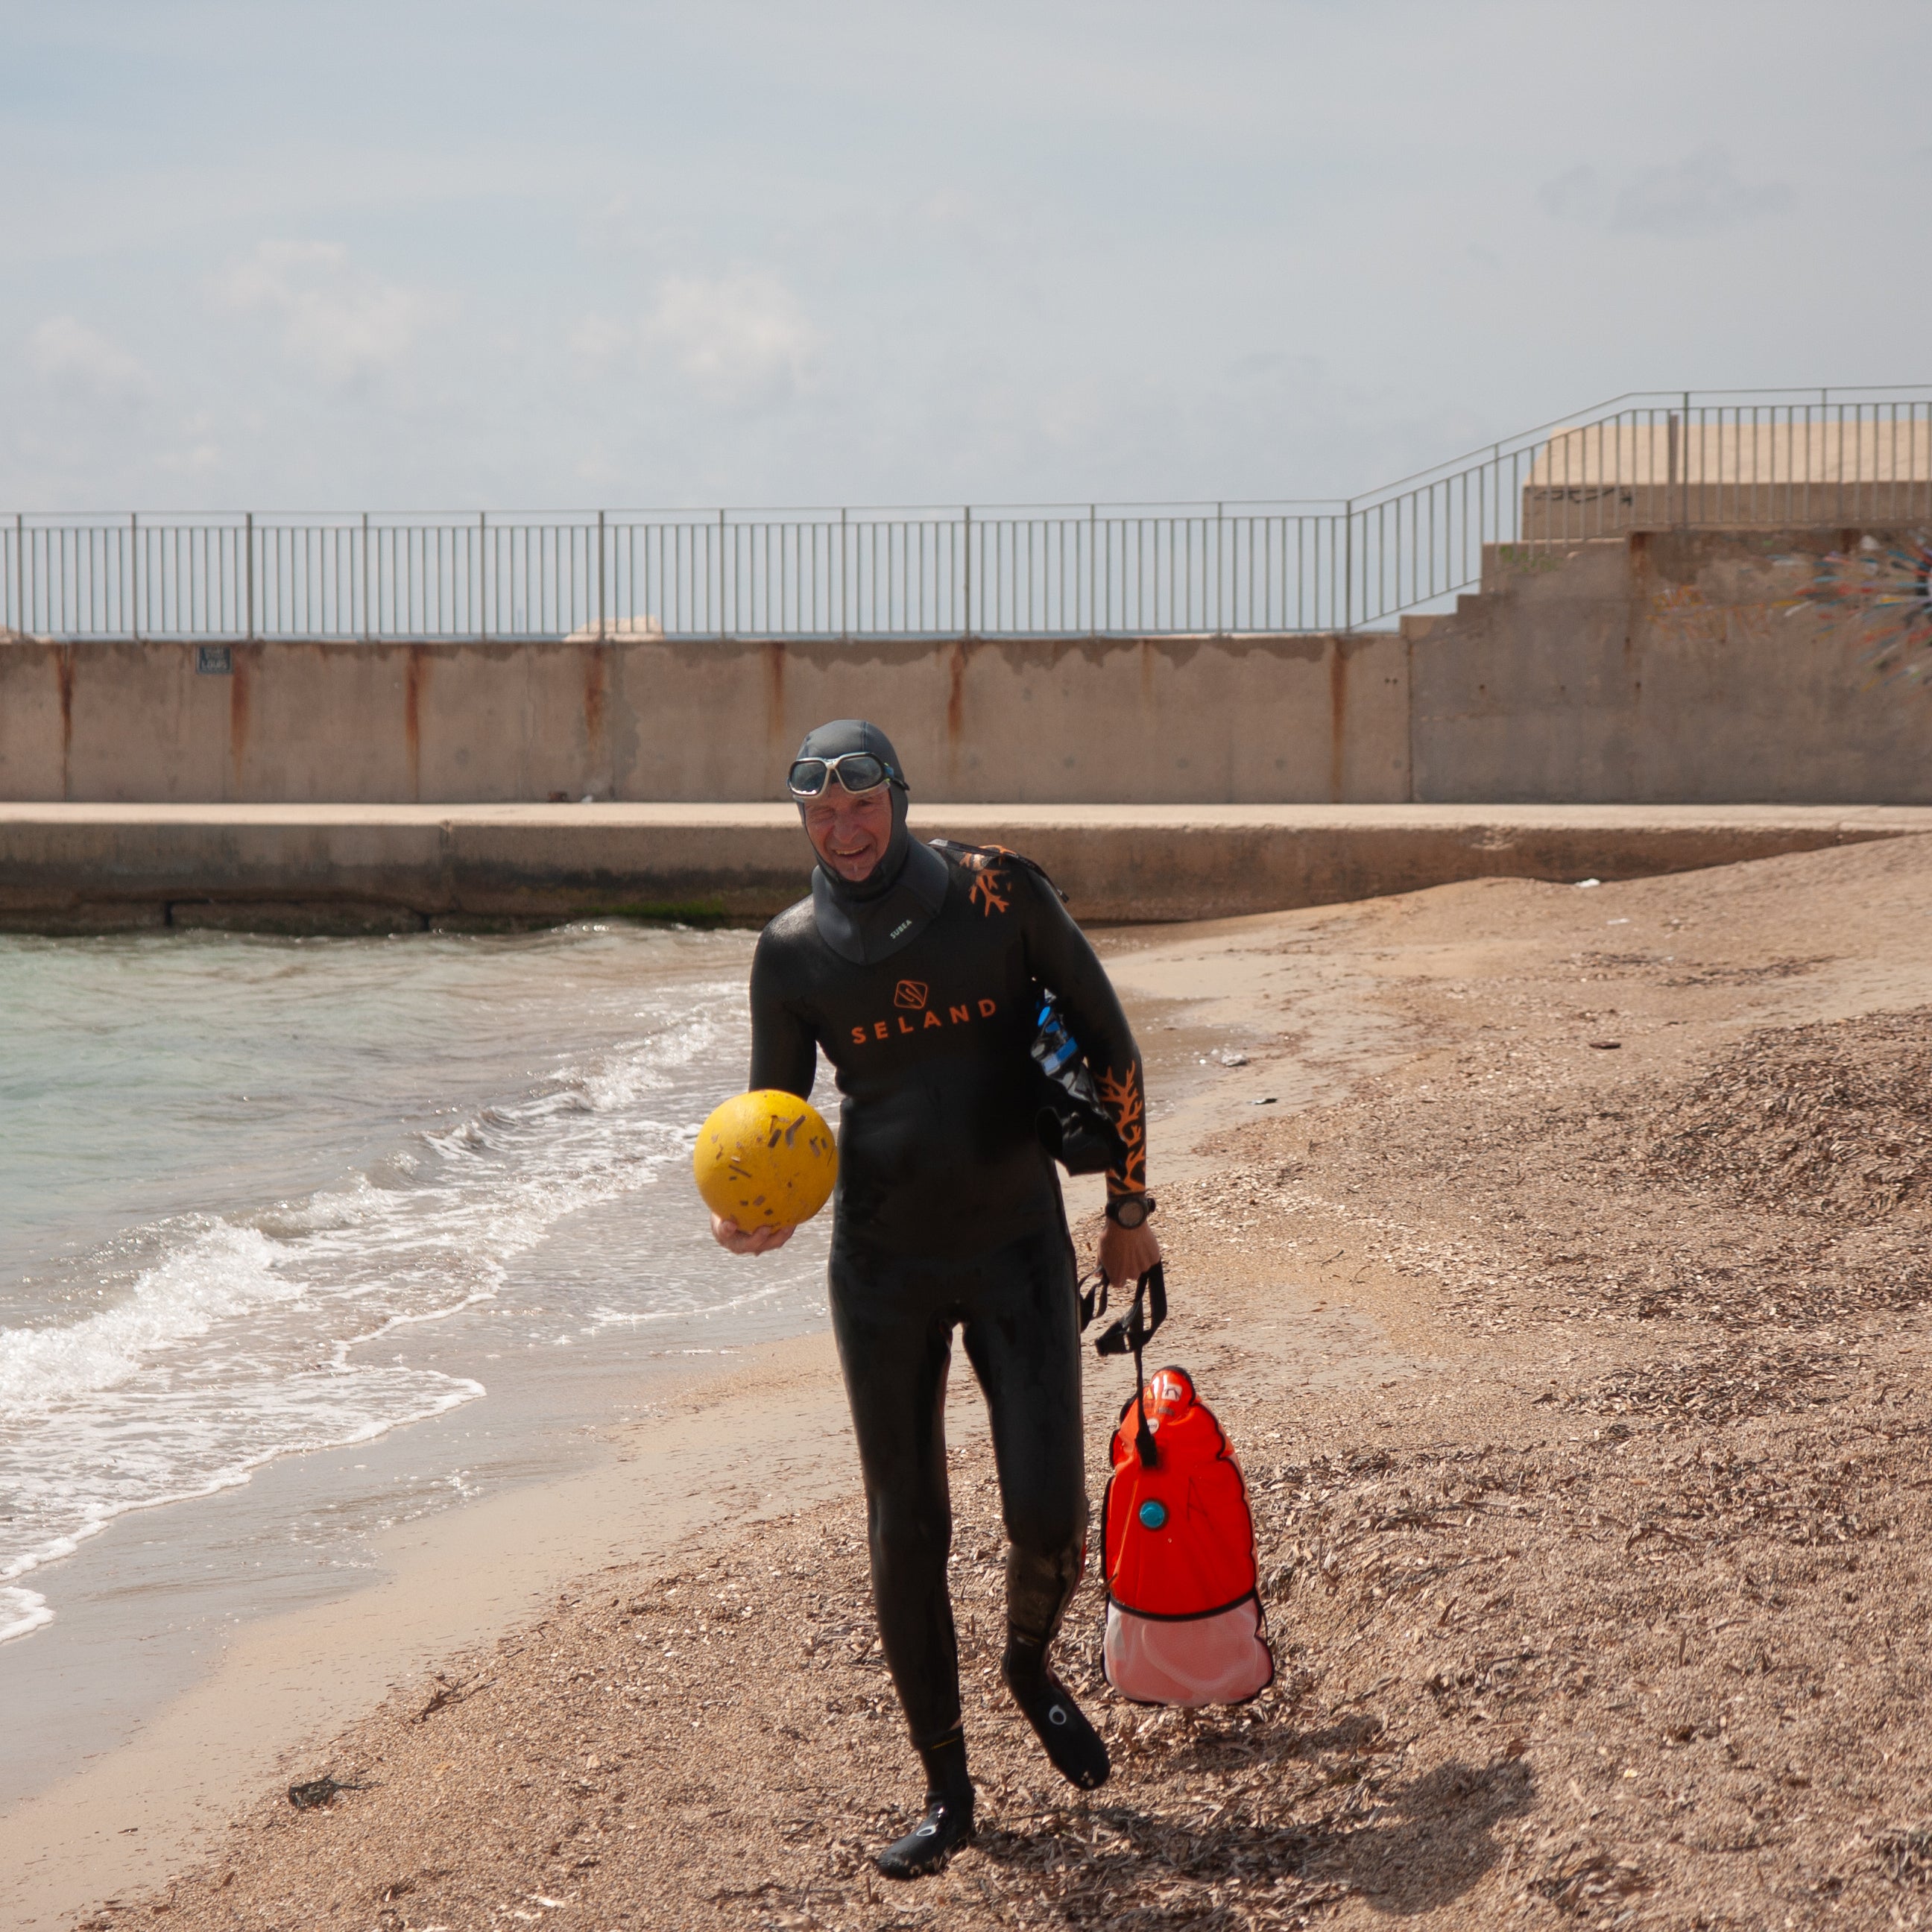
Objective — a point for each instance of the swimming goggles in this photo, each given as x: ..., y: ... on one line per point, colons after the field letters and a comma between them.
x: 857, y: 771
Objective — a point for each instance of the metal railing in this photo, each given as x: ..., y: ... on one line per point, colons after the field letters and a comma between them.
x: 1688, y: 460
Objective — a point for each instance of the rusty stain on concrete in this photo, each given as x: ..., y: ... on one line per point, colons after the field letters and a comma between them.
x: 775, y: 734
x: 596, y: 686
x: 238, y: 695
x: 956, y: 700
x: 955, y: 707
x: 1338, y: 717
x: 64, y: 670
x: 415, y: 673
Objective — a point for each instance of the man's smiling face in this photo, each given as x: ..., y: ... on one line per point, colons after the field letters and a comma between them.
x: 850, y: 834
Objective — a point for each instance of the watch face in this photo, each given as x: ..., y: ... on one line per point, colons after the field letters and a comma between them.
x: 1130, y: 1213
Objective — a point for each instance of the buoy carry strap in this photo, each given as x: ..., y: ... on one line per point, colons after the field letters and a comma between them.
x: 954, y: 849
x: 1133, y: 1331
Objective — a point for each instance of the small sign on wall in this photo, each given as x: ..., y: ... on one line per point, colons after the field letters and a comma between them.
x: 214, y: 660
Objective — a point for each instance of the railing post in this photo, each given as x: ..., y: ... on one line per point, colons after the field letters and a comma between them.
x: 20, y: 573
x: 1684, y: 501
x: 482, y: 576
x: 721, y: 631
x: 1348, y: 565
x: 1673, y: 503
x: 134, y: 574
x: 1220, y: 617
x: 248, y: 577
x: 602, y: 633
x: 1093, y: 570
x: 966, y: 630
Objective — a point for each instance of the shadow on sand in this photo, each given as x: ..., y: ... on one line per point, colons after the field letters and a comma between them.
x: 1413, y: 1848
x: 1439, y: 1840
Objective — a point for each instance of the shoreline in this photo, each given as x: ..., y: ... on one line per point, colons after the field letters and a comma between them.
x: 245, y: 1136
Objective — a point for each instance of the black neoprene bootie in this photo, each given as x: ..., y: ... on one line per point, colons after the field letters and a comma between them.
x: 948, y: 1822
x: 1078, y: 1753
x: 947, y: 1825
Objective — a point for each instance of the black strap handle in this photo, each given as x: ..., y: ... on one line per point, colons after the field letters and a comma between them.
x: 1092, y: 1300
x: 1133, y: 1331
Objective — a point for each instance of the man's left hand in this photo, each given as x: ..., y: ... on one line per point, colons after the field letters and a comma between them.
x: 1127, y: 1253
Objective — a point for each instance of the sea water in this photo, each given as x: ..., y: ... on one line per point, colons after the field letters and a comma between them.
x: 261, y: 1196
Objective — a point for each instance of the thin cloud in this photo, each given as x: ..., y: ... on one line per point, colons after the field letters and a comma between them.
x: 597, y: 340
x: 1700, y: 195
x: 67, y: 349
x: 1575, y: 195
x: 199, y: 458
x: 338, y: 320
x: 740, y: 338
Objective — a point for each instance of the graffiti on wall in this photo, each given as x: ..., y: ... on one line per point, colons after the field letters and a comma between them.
x: 1882, y: 591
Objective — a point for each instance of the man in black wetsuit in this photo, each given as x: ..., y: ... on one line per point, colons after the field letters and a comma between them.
x: 917, y: 973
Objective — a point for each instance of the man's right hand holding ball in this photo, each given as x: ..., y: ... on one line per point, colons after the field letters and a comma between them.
x: 728, y: 1233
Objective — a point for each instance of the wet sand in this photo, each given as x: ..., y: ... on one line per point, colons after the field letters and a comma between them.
x: 1556, y: 1260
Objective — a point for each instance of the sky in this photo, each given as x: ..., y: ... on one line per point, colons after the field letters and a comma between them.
x: 418, y: 255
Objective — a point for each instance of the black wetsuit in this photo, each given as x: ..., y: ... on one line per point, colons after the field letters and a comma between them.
x: 948, y: 1213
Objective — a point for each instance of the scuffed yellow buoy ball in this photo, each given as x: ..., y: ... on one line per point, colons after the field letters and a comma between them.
x: 765, y: 1159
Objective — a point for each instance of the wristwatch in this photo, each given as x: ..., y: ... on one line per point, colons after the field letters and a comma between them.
x: 1129, y: 1210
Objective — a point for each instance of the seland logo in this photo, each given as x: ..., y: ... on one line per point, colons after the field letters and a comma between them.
x: 911, y: 997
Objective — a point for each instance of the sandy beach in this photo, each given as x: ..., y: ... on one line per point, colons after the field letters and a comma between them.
x: 1555, y: 1259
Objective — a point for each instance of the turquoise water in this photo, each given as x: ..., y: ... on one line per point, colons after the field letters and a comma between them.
x: 238, y: 1174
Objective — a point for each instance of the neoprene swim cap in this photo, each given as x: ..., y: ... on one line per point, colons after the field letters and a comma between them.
x: 886, y: 909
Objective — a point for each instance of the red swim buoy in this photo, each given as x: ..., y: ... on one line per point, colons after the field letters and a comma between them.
x: 1184, y: 1620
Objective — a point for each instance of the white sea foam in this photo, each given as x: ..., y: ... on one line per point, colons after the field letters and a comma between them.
x: 221, y: 1271
x: 21, y: 1611
x: 251, y: 1335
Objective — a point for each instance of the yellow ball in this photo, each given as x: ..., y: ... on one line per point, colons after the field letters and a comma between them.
x: 765, y: 1159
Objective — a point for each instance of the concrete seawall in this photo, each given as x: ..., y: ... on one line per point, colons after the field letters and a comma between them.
x: 1707, y: 668
x: 1180, y: 719
x: 1692, y: 667
x: 349, y: 868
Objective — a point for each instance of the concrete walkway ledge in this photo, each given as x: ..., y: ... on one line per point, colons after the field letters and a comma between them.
x: 385, y: 868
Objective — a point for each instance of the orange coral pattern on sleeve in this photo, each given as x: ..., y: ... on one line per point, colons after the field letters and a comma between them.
x: 986, y: 895
x: 989, y: 891
x: 1122, y: 1095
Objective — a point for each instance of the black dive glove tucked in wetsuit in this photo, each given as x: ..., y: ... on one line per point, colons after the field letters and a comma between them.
x: 939, y: 1148
x: 948, y: 1214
